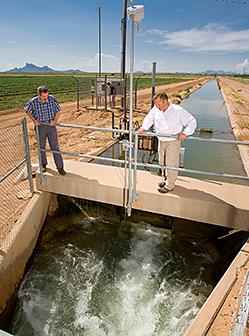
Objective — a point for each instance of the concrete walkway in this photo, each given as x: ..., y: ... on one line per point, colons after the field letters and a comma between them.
x: 206, y: 201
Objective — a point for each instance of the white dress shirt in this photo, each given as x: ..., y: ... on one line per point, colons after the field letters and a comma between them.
x: 171, y: 122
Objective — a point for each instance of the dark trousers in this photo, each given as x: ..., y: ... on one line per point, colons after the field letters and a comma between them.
x: 49, y: 132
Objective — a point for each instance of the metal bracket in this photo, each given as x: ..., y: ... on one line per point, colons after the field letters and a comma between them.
x: 136, y: 196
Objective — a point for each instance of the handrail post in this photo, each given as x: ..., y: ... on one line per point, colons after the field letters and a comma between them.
x: 27, y: 154
x: 135, y: 196
x: 39, y: 154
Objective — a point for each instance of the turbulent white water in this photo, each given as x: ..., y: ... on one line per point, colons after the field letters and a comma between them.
x: 113, y: 280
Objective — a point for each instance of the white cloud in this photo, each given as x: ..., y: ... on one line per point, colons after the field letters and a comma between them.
x: 242, y: 67
x: 214, y: 38
x: 110, y: 63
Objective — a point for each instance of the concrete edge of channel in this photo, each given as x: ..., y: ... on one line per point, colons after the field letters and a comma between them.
x: 20, y: 245
x: 206, y: 316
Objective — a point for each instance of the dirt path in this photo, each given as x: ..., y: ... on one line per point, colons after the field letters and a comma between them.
x: 236, y: 96
x: 242, y: 88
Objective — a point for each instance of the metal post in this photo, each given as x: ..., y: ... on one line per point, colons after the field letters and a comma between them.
x: 136, y: 89
x: 135, y: 196
x: 39, y: 154
x: 96, y: 93
x: 124, y: 26
x: 99, y: 16
x: 123, y: 61
x: 130, y: 177
x: 135, y: 103
x: 106, y: 93
x: 153, y: 83
x: 77, y: 93
x: 92, y: 92
x: 125, y: 105
x: 27, y: 152
x: 113, y: 124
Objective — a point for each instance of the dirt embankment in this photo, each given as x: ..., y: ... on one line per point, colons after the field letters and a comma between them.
x: 236, y: 96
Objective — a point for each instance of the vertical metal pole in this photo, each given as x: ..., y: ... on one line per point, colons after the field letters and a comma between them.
x: 136, y: 93
x: 27, y: 153
x: 123, y: 60
x: 92, y: 92
x: 78, y: 95
x: 96, y: 93
x: 105, y: 92
x: 113, y: 124
x: 125, y: 105
x: 124, y: 26
x: 153, y: 83
x: 99, y: 15
x: 135, y: 166
x: 130, y: 177
x: 39, y: 154
x: 125, y: 178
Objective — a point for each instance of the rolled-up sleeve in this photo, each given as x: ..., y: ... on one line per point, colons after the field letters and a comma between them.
x: 189, y: 122
x: 148, y: 120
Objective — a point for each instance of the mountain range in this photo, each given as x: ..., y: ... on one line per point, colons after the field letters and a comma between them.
x: 29, y: 67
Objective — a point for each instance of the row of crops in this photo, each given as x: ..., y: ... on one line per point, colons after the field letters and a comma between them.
x: 16, y: 90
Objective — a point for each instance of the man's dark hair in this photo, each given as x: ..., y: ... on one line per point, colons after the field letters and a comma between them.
x: 42, y: 89
x: 161, y: 96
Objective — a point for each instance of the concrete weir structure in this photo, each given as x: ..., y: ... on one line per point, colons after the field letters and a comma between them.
x: 205, y: 201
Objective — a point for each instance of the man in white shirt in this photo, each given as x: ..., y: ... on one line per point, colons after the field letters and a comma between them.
x: 174, y: 121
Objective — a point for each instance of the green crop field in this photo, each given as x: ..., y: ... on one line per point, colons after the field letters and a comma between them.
x: 17, y: 89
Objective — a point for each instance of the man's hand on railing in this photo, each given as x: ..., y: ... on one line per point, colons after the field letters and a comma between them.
x: 141, y: 130
x: 182, y: 136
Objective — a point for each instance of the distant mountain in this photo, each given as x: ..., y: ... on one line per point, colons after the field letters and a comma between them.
x: 218, y: 72
x: 29, y: 67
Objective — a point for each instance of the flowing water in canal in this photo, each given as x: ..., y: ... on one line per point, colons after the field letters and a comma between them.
x: 103, y: 277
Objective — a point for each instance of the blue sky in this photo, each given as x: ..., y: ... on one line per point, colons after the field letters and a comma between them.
x: 189, y: 35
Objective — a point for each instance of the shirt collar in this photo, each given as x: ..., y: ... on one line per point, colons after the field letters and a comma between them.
x: 169, y: 107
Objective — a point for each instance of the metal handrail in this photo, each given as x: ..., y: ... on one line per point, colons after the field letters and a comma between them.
x: 12, y: 170
x: 133, y: 164
x: 235, y: 142
x: 102, y: 129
